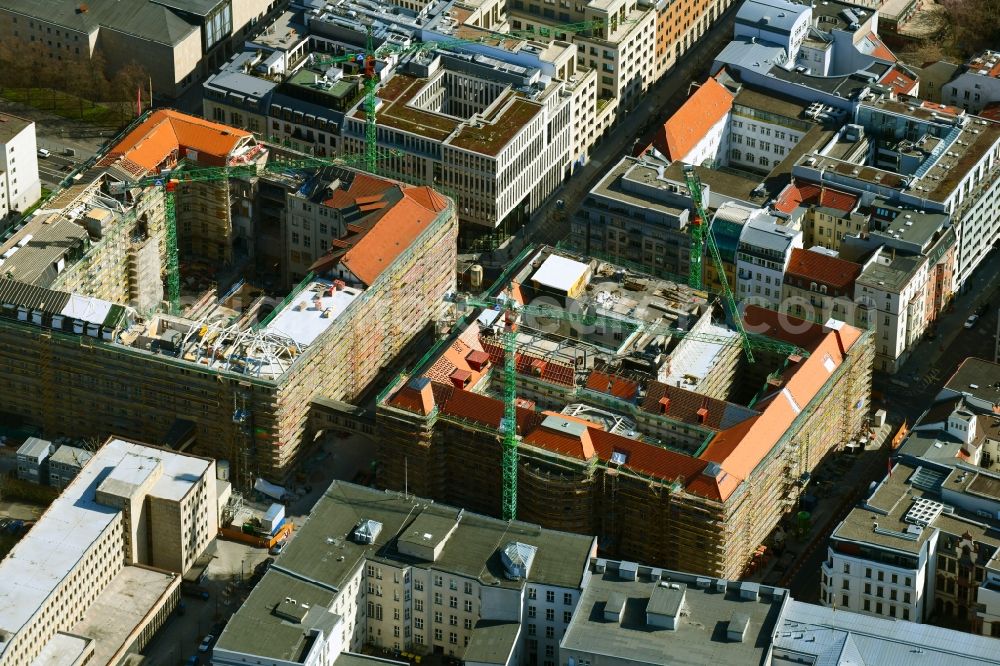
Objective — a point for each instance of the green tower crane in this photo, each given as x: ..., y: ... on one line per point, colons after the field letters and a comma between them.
x: 372, y: 53
x: 700, y: 235
x: 511, y: 310
x: 170, y: 180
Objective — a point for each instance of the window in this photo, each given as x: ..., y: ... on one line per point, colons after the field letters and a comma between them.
x: 438, y: 580
x: 532, y: 593
x: 452, y: 584
x: 453, y: 638
x: 295, y: 238
x: 418, y: 622
x: 550, y: 632
x: 438, y: 617
x: 531, y: 630
x: 567, y: 599
x: 418, y: 585
x: 418, y: 605
x: 418, y: 639
x: 550, y: 614
x: 846, y: 584
x: 550, y: 597
x: 846, y: 601
x: 452, y: 602
x: 531, y: 611
x: 468, y: 623
x: 438, y: 635
x: 567, y: 616
x: 453, y: 620
x: 868, y: 588
x: 437, y: 598
x: 867, y: 605
x: 906, y: 613
x: 906, y: 597
x: 895, y: 579
x: 468, y: 587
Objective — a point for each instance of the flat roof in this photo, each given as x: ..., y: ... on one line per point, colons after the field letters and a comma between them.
x: 700, y: 637
x: 772, y: 103
x: 312, y: 311
x: 62, y: 650
x: 492, y: 642
x: 977, y: 377
x: 11, y: 126
x: 558, y: 272
x: 829, y: 635
x: 123, y: 607
x: 324, y: 552
x: 72, y: 523
x: 892, y: 276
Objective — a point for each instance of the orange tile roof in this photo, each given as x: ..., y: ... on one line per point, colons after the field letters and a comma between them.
x: 900, y: 82
x: 526, y: 364
x: 801, y: 193
x: 683, y: 130
x: 167, y: 133
x: 822, y: 268
x: 561, y: 442
x: 456, y: 357
x: 362, y: 188
x: 683, y: 404
x: 881, y: 50
x: 626, y: 389
x: 739, y: 450
x: 646, y: 458
x: 373, y: 251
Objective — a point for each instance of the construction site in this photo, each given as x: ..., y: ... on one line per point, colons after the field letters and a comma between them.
x: 108, y: 325
x: 638, y: 414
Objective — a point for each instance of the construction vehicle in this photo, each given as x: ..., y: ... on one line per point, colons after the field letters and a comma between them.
x: 372, y: 53
x: 169, y: 180
x: 700, y: 236
x: 511, y: 310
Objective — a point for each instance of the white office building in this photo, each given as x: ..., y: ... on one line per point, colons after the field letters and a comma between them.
x: 19, y: 184
x: 762, y: 256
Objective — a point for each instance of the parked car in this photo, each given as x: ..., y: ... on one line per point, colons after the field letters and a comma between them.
x: 983, y: 309
x: 971, y: 321
x: 206, y: 643
x: 43, y: 153
x: 277, y: 548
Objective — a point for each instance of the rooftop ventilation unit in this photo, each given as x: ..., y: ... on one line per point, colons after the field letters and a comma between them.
x: 367, y: 531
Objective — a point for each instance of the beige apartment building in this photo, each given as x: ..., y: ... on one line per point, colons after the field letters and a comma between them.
x: 98, y: 539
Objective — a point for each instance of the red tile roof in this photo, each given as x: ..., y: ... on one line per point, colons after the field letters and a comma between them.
x: 368, y: 249
x: 683, y: 130
x: 801, y: 193
x: 171, y: 133
x: 900, y: 82
x: 626, y: 389
x: 363, y: 188
x: 822, y: 268
x: 526, y: 364
x: 881, y: 50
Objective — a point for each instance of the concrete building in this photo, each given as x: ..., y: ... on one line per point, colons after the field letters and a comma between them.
x: 931, y: 158
x: 633, y: 436
x: 697, y: 132
x: 19, y: 184
x: 99, y: 572
x: 765, y: 248
x: 176, y: 43
x: 977, y: 86
x: 388, y: 570
x: 925, y: 543
x: 827, y: 214
x: 33, y: 460
x: 637, y: 614
x: 818, y: 287
x: 90, y: 269
x: 65, y: 464
x: 777, y: 22
x: 763, y: 130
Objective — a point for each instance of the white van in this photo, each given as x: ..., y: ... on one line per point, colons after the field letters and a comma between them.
x: 42, y: 152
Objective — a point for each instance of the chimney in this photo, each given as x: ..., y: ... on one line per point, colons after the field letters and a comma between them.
x: 664, y: 405
x: 702, y: 415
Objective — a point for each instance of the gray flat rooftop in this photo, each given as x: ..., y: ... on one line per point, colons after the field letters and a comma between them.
x: 645, y: 172
x: 772, y: 103
x: 701, y: 634
x: 892, y: 276
x: 978, y: 377
x: 827, y: 636
x: 143, y: 18
x: 720, y: 183
x: 323, y: 552
x: 11, y: 126
x: 62, y: 650
x: 492, y: 642
x: 120, y: 608
x: 71, y: 524
x: 52, y: 237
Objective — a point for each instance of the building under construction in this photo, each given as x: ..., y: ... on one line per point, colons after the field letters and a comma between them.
x: 674, y: 450
x: 87, y: 347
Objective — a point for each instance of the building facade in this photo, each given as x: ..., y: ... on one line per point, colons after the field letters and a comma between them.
x: 98, y: 530
x: 762, y: 257
x: 19, y: 184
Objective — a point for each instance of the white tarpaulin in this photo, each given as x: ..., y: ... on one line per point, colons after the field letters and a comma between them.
x: 269, y: 489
